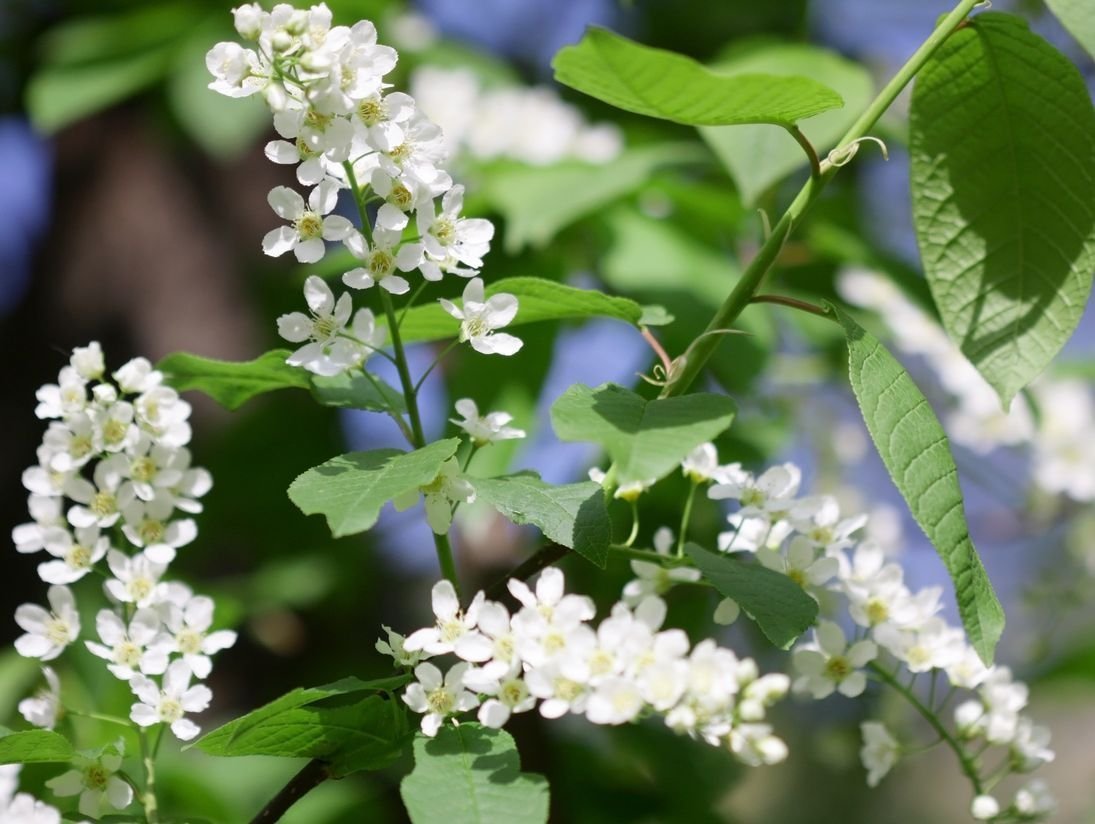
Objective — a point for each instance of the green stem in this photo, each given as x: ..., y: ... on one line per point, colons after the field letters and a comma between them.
x: 148, y: 797
x: 418, y: 439
x: 634, y: 524
x: 436, y: 361
x: 808, y: 147
x: 704, y: 346
x: 969, y: 767
x: 686, y: 518
x: 98, y: 716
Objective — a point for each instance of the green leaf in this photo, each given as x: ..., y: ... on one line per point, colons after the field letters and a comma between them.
x: 1002, y: 143
x: 350, y: 489
x: 1078, y: 16
x: 915, y: 450
x: 356, y: 391
x: 758, y: 156
x: 673, y: 87
x: 645, y: 439
x: 233, y: 383
x: 35, y: 747
x: 472, y: 775
x: 333, y: 722
x: 538, y: 300
x: 573, y: 515
x: 782, y: 609
x: 538, y: 202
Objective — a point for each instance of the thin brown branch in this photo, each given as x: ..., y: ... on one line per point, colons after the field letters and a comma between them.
x: 545, y: 557
x: 794, y: 303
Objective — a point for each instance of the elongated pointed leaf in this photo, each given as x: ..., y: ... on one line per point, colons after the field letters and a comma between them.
x: 1002, y: 140
x: 673, y: 87
x: 645, y: 439
x: 782, y: 609
x: 538, y: 300
x: 759, y: 156
x: 233, y: 383
x: 472, y: 775
x: 573, y: 515
x: 1078, y: 16
x: 346, y: 724
x: 914, y: 448
x: 35, y: 747
x: 349, y: 490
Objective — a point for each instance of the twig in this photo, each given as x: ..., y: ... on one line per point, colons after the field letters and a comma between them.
x: 315, y: 772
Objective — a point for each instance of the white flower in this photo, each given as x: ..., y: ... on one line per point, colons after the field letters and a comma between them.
x: 189, y: 627
x: 76, y: 554
x: 880, y: 751
x: 629, y: 491
x: 170, y: 704
x: 66, y: 397
x: 26, y: 809
x: 559, y: 694
x: 480, y: 318
x: 800, y: 564
x: 249, y: 20
x: 824, y: 527
x: 1004, y: 699
x: 447, y: 488
x: 1030, y: 747
x: 99, y: 504
x: 984, y: 807
x: 125, y: 647
x: 311, y: 225
x: 446, y: 234
x: 137, y: 376
x: 48, y: 633
x: 494, y: 624
x: 147, y: 526
x: 455, y: 629
x: 750, y: 533
x: 330, y: 349
x: 701, y: 464
x: 404, y: 194
x: 380, y: 117
x: 934, y: 644
x: 155, y: 467
x: 436, y: 698
x: 88, y: 361
x: 510, y: 695
x: 44, y: 708
x: 755, y: 745
x: 654, y: 578
x: 313, y: 166
x: 45, y: 510
x: 95, y: 781
x: 394, y: 647
x: 485, y: 429
x: 830, y: 664
x: 547, y: 620
x: 418, y: 156
x: 615, y: 700
x: 769, y: 496
x: 114, y: 421
x: 759, y: 694
x: 238, y: 72
x: 381, y: 260
x: 967, y: 671
x: 134, y: 580
x: 1035, y: 800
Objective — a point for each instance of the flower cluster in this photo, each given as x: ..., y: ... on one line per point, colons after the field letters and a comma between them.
x: 343, y: 129
x: 547, y: 655
x: 1062, y: 451
x: 532, y: 125
x: 898, y: 633
x: 113, y: 492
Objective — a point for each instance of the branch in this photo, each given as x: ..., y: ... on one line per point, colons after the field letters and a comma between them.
x: 794, y: 303
x: 749, y: 282
x: 545, y: 557
x: 315, y: 772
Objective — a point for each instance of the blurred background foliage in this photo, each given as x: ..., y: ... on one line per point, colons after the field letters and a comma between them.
x: 135, y: 206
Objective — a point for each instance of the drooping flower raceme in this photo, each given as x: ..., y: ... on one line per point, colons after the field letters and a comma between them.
x: 350, y: 134
x: 548, y: 656
x: 113, y: 493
